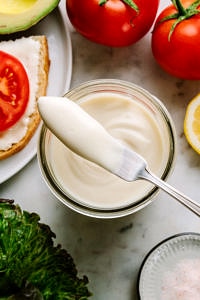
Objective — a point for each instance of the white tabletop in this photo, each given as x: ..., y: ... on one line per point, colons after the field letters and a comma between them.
x: 110, y: 252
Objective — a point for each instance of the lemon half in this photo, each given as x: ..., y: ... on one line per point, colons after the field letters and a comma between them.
x: 192, y: 123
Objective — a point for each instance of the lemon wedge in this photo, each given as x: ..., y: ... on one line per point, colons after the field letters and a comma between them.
x: 192, y: 123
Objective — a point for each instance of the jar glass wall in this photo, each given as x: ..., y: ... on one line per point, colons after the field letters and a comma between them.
x: 130, y: 114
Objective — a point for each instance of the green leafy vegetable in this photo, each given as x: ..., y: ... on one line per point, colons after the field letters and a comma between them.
x: 31, y: 267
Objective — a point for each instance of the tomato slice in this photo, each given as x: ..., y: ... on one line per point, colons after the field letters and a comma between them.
x: 14, y: 90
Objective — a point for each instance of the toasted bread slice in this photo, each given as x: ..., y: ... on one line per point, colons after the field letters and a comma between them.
x: 41, y: 69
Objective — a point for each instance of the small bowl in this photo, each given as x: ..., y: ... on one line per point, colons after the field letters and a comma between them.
x: 94, y: 192
x: 172, y: 269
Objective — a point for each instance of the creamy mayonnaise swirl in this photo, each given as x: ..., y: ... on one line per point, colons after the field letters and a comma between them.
x: 126, y: 120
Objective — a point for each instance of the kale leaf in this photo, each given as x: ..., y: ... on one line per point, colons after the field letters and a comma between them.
x: 31, y: 267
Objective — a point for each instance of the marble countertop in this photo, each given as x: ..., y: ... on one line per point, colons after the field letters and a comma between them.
x: 110, y: 252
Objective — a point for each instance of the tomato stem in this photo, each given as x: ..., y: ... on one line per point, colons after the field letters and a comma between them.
x: 130, y: 3
x: 102, y: 2
x: 179, y: 6
x: 182, y: 13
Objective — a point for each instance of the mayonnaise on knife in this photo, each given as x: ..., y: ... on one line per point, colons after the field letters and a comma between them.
x: 80, y: 132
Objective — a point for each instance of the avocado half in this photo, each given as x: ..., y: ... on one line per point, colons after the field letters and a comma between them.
x: 20, y: 15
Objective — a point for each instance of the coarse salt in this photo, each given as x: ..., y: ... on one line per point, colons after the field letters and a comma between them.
x: 183, y: 282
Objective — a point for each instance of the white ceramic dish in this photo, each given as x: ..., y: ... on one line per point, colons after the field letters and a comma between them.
x: 164, y: 262
x: 60, y: 52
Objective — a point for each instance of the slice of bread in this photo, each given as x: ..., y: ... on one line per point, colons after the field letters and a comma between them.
x: 33, y: 53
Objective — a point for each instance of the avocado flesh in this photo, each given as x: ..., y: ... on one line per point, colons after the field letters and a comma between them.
x: 14, y: 7
x: 27, y: 14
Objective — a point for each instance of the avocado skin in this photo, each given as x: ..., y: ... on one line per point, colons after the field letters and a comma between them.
x: 11, y: 23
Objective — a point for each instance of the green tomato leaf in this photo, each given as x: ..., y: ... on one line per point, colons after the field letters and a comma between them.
x: 182, y: 14
x: 130, y: 3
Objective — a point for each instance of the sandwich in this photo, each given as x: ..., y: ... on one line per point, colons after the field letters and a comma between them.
x: 28, y: 75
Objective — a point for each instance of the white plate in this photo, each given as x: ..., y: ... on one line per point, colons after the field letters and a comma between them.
x: 60, y: 52
x: 171, y: 267
x: 164, y: 262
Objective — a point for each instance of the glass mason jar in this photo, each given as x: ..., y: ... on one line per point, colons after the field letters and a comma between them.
x: 129, y: 113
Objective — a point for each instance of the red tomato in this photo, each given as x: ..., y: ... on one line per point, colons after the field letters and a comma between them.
x: 178, y: 53
x: 114, y: 23
x: 14, y: 90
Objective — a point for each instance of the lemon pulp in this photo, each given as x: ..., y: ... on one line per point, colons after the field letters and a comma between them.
x: 192, y: 123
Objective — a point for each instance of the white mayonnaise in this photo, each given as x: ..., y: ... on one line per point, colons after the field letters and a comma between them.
x: 124, y: 119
